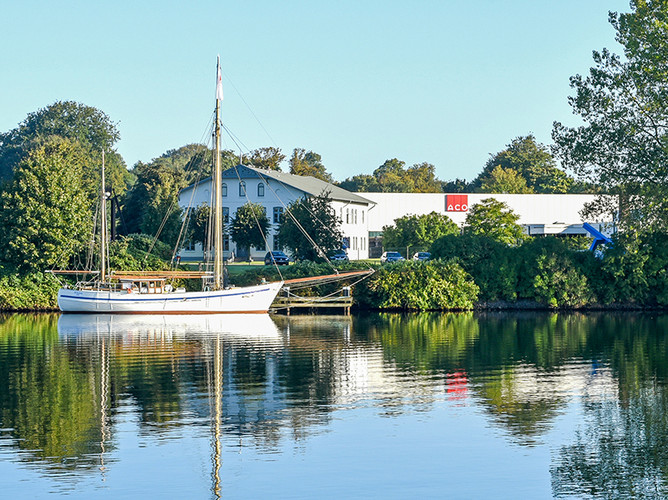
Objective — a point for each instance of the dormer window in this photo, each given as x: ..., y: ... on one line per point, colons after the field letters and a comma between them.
x: 260, y: 190
x: 242, y: 189
x: 224, y: 189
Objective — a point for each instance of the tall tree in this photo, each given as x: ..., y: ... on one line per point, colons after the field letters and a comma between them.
x: 623, y: 144
x: 305, y: 162
x: 363, y: 183
x: 92, y: 129
x: 310, y: 226
x: 391, y: 177
x: 505, y: 180
x: 269, y: 158
x: 495, y: 219
x: 45, y: 211
x: 531, y: 160
x: 151, y: 206
x: 249, y: 226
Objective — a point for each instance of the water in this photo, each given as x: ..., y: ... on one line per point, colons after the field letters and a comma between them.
x: 391, y: 406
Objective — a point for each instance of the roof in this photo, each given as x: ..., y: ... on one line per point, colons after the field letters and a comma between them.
x: 307, y: 184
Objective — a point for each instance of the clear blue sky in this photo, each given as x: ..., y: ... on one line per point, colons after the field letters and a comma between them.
x: 447, y: 82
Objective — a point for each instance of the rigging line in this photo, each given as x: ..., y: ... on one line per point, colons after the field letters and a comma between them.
x: 297, y: 223
x: 249, y: 108
x: 238, y: 142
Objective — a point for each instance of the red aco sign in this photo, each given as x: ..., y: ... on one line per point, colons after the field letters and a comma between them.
x: 457, y: 203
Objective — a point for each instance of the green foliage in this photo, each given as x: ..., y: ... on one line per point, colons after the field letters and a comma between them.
x: 418, y: 231
x: 492, y: 264
x: 45, y: 213
x: 269, y: 158
x: 409, y: 285
x: 309, y: 220
x: 86, y: 126
x: 393, y: 177
x: 305, y: 162
x: 35, y: 291
x: 496, y: 220
x: 622, y: 145
x: 505, y: 180
x: 131, y: 253
x: 530, y: 160
x: 249, y: 225
x: 151, y: 206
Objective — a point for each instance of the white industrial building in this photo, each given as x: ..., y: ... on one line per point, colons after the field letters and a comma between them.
x: 275, y: 190
x: 364, y: 215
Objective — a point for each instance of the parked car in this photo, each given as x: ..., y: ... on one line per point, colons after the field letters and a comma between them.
x: 339, y: 255
x: 276, y: 257
x: 391, y: 257
x: 421, y: 256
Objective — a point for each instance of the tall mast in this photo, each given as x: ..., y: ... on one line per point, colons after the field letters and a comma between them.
x: 103, y: 227
x: 217, y: 204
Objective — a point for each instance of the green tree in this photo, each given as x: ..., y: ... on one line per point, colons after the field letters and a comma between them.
x: 305, y: 162
x: 391, y: 177
x: 249, y: 226
x: 418, y: 231
x: 456, y: 186
x: 496, y: 220
x: 505, y: 180
x: 623, y: 144
x: 532, y: 161
x: 363, y: 183
x: 269, y: 158
x: 151, y: 206
x: 422, y: 176
x: 310, y: 228
x: 92, y: 129
x: 45, y: 212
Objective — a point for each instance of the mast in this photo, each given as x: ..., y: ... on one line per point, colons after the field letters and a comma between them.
x: 103, y: 226
x: 217, y: 180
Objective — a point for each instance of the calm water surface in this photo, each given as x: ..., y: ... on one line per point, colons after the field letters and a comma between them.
x: 390, y: 406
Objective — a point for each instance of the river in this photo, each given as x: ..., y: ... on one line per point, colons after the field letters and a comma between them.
x: 461, y: 405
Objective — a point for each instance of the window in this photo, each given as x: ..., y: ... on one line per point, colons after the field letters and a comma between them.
x: 362, y: 216
x: 347, y: 216
x: 223, y: 189
x: 277, y: 244
x: 278, y: 215
x: 226, y: 244
x: 260, y: 189
x: 242, y: 189
x: 226, y: 215
x: 355, y: 216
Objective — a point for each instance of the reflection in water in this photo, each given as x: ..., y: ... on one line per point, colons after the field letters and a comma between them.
x: 255, y: 384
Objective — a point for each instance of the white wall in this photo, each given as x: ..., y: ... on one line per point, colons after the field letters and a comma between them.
x: 276, y: 194
x: 556, y: 210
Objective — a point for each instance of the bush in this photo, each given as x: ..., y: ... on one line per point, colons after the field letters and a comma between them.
x: 31, y: 292
x: 425, y: 286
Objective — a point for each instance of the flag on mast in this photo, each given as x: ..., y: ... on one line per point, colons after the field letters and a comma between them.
x: 219, y: 83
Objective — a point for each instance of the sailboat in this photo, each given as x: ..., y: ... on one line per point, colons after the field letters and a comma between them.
x: 150, y: 293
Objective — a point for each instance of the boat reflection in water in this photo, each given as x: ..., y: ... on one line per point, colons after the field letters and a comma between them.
x: 211, y: 331
x: 251, y: 327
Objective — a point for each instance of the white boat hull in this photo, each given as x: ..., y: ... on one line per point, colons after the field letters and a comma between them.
x: 249, y: 299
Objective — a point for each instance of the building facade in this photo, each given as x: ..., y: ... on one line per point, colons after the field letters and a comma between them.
x: 275, y: 191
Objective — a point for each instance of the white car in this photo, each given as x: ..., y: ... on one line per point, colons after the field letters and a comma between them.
x: 421, y: 256
x: 391, y: 257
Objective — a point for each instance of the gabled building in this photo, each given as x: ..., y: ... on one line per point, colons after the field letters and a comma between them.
x: 275, y: 191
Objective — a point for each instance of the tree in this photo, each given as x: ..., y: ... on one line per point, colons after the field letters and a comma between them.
x: 249, y: 226
x: 391, y: 177
x: 92, y: 129
x: 269, y: 158
x: 530, y: 160
x: 363, y: 183
x: 456, y: 186
x: 45, y: 211
x: 496, y: 220
x: 422, y: 176
x: 310, y: 228
x: 418, y: 231
x: 305, y: 162
x: 505, y: 180
x: 623, y: 144
x: 151, y: 206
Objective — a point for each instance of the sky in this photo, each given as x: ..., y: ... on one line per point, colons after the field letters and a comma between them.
x: 357, y: 81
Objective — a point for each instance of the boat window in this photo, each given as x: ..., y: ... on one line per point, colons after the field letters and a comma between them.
x: 242, y: 188
x: 224, y: 189
x: 260, y: 189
